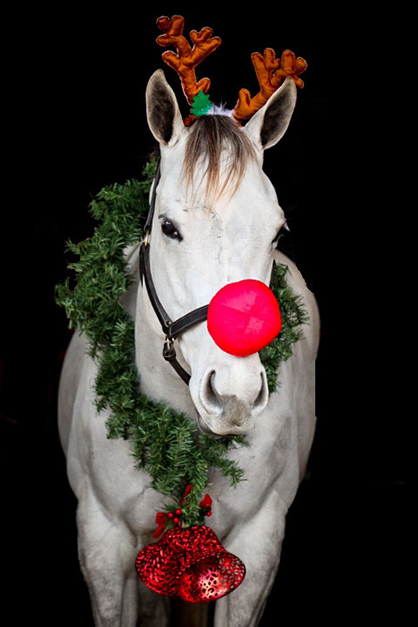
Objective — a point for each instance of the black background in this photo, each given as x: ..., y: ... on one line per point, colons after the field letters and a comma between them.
x: 76, y: 121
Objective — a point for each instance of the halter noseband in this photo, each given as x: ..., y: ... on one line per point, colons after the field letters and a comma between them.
x: 171, y: 329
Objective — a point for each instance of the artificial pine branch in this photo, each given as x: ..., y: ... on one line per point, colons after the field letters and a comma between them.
x: 294, y: 316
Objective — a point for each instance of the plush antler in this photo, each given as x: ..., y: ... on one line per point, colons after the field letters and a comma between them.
x: 271, y: 73
x: 187, y: 58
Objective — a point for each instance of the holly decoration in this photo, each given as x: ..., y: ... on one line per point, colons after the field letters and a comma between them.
x: 175, y: 515
x: 201, y: 104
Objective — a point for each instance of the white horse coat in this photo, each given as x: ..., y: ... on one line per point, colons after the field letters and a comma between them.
x: 212, y: 243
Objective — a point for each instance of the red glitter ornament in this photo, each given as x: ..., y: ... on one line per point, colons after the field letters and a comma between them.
x: 244, y: 317
x: 191, y: 564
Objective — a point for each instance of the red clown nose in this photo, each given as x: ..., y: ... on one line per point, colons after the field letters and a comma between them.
x: 244, y: 317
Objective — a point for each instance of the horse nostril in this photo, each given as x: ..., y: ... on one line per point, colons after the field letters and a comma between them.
x: 211, y: 399
x: 262, y: 398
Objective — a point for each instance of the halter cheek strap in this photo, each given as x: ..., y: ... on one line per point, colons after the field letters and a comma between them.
x: 171, y: 329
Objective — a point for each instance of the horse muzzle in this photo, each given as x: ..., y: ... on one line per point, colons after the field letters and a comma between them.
x: 230, y: 395
x: 242, y: 319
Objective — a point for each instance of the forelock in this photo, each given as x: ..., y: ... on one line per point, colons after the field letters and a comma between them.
x: 217, y: 155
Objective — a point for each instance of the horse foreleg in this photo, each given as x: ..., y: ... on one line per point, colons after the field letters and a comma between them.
x: 107, y: 561
x: 258, y: 544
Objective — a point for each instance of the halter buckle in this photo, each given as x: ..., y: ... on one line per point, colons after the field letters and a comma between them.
x: 169, y: 352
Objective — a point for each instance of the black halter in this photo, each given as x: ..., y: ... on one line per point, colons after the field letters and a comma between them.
x: 171, y: 329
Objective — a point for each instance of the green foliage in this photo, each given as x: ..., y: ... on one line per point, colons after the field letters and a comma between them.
x: 201, y: 104
x: 165, y: 443
x: 293, y: 316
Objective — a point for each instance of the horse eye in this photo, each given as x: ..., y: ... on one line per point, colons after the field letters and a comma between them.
x: 170, y: 230
x: 276, y: 239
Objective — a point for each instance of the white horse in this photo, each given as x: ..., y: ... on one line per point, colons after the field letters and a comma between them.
x: 216, y: 221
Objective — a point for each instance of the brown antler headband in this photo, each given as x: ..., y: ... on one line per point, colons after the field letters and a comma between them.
x: 187, y: 58
x: 270, y: 71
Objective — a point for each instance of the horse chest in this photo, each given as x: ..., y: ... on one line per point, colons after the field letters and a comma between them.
x: 123, y: 492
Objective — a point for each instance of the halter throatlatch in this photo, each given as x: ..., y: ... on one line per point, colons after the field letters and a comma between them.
x: 271, y: 72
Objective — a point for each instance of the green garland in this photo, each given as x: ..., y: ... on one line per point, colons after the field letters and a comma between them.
x: 164, y: 443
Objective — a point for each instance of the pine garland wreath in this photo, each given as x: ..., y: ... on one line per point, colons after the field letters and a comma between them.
x: 164, y: 442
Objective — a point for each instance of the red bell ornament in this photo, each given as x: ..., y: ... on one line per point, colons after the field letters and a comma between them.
x: 244, y: 317
x: 191, y: 564
x: 212, y: 578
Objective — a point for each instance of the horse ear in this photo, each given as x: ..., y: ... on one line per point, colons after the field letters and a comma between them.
x: 163, y: 113
x: 270, y: 123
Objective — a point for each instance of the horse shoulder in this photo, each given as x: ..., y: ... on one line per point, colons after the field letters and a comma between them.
x: 70, y: 379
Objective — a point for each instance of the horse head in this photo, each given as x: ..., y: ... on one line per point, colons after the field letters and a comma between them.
x: 216, y: 222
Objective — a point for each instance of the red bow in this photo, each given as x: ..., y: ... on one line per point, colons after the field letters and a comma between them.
x: 161, y: 519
